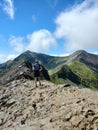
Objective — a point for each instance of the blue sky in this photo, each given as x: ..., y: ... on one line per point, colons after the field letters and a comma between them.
x: 54, y: 27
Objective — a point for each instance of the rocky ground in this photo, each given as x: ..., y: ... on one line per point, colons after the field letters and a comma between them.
x: 48, y: 107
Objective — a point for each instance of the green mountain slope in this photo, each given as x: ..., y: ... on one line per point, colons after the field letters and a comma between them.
x: 77, y: 72
x: 63, y: 74
x: 88, y: 77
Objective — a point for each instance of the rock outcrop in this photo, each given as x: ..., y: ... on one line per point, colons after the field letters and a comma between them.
x: 21, y: 70
x: 47, y: 107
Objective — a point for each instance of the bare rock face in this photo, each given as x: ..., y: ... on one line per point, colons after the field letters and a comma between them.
x: 22, y: 69
x: 47, y: 107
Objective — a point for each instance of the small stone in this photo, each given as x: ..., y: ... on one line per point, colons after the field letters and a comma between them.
x: 89, y: 113
x: 66, y: 85
x: 68, y: 116
x: 34, y: 106
x: 22, y: 121
x: 76, y: 120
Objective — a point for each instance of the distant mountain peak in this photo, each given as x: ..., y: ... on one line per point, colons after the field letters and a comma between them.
x: 80, y: 52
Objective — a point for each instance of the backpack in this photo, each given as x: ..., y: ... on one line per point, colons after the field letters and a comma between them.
x: 37, y: 67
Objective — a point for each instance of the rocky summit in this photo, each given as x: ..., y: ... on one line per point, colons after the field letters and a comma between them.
x: 47, y: 107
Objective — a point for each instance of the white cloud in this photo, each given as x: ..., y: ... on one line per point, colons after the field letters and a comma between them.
x: 41, y: 40
x: 9, y: 8
x: 79, y: 26
x: 11, y: 56
x: 4, y: 58
x: 61, y: 55
x: 38, y: 41
x: 17, y: 43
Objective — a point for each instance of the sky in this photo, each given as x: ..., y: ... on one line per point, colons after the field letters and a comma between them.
x: 53, y: 27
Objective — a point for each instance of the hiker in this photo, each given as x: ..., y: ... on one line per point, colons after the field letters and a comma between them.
x: 37, y: 69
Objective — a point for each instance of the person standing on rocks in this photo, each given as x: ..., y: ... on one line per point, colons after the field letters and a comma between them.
x: 37, y: 68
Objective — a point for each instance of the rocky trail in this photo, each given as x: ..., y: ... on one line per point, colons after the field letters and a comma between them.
x: 47, y: 107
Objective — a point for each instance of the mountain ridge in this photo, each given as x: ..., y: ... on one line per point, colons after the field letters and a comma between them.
x: 32, y: 56
x: 54, y: 65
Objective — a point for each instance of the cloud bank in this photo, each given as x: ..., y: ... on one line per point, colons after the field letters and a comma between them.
x: 39, y: 41
x: 79, y: 26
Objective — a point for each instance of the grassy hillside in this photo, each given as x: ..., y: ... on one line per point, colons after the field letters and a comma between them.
x: 77, y: 72
x: 64, y: 74
x: 87, y: 77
